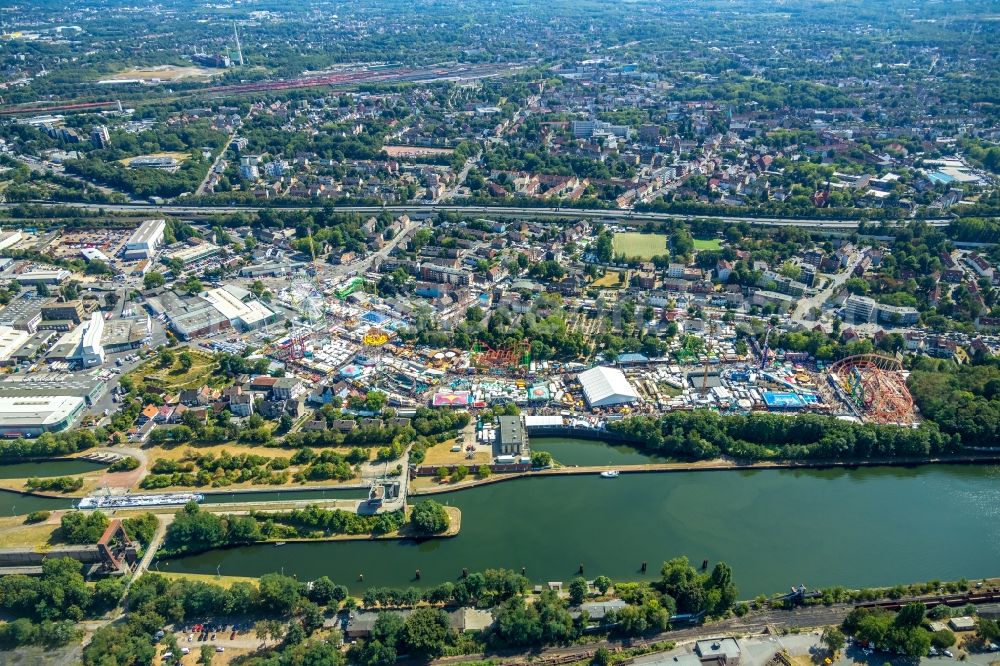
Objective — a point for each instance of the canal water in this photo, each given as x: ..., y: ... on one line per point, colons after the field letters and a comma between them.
x: 284, y: 495
x: 49, y: 468
x: 16, y: 504
x: 588, y: 452
x: 777, y: 528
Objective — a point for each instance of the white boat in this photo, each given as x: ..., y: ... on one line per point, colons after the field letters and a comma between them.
x: 279, y: 543
x: 132, y: 501
x: 610, y: 474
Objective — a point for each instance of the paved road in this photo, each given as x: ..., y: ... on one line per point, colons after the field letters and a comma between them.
x: 222, y: 154
x: 362, y: 266
x: 804, y: 305
x: 450, y: 193
x: 627, y: 216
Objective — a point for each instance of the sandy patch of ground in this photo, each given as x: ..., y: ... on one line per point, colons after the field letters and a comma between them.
x: 177, y: 155
x: 121, y: 479
x: 165, y: 73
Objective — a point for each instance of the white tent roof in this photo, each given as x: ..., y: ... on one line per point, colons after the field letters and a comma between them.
x: 604, y: 386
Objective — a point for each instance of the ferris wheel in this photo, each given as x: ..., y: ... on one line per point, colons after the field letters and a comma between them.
x: 307, y: 301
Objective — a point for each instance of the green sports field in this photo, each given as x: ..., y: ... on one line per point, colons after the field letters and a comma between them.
x: 707, y: 244
x: 642, y: 246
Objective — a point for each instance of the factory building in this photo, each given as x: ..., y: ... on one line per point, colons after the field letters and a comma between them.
x: 192, y: 253
x: 93, y: 254
x: 144, y: 241
x: 67, y: 311
x: 236, y: 305
x: 91, y: 349
x: 512, y: 439
x: 77, y: 385
x: 11, y: 340
x: 24, y: 313
x: 10, y: 238
x: 40, y: 276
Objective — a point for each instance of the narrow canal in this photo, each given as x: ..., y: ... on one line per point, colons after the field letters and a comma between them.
x: 871, y: 526
x: 49, y: 468
x: 17, y: 504
x: 215, y: 497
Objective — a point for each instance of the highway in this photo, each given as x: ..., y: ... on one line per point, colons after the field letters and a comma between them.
x: 633, y: 218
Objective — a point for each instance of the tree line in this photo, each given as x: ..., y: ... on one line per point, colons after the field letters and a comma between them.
x: 49, y: 444
x: 963, y: 400
x: 704, y: 434
x: 195, y: 531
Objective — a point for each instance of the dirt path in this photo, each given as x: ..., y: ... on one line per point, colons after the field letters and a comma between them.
x: 126, y: 480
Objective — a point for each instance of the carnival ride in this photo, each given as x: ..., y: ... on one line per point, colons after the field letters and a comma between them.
x: 875, y: 385
x: 506, y: 359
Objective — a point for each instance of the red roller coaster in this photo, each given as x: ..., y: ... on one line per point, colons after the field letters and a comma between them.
x: 507, y: 358
x: 876, y: 386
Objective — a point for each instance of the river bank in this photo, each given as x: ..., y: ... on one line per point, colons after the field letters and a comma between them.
x: 421, y: 485
x: 775, y: 527
x: 428, y: 486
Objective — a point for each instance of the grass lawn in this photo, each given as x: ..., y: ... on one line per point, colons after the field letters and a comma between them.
x: 175, y: 378
x: 90, y: 484
x: 181, y: 451
x: 609, y: 281
x: 707, y: 244
x: 178, y: 452
x: 15, y: 534
x: 441, y: 454
x: 643, y: 246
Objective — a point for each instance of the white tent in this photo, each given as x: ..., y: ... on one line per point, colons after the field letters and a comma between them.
x: 604, y: 386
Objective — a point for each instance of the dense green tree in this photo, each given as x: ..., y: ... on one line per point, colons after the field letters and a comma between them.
x: 426, y: 632
x: 833, y: 638
x: 577, y: 590
x: 429, y: 517
x: 83, y: 526
x: 279, y: 594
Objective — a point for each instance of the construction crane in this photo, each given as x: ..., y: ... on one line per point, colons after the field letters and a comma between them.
x: 763, y: 353
x: 708, y: 352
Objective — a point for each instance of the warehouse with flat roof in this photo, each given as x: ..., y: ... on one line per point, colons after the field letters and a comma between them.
x: 92, y: 350
x: 30, y: 416
x: 11, y: 340
x: 77, y: 385
x: 512, y: 439
x: 192, y: 253
x: 42, y: 276
x: 24, y: 313
x: 235, y: 304
x: 33, y: 348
